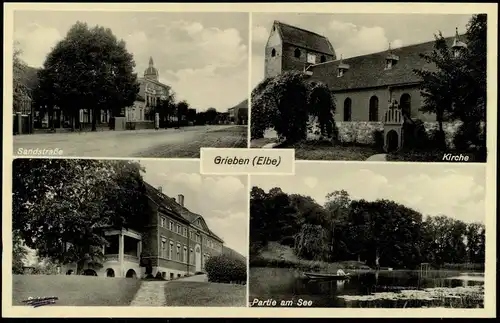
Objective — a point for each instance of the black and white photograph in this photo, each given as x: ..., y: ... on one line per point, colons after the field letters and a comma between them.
x: 375, y: 87
x: 89, y: 232
x: 374, y: 236
x: 129, y: 84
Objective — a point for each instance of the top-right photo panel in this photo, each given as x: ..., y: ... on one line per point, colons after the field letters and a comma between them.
x: 370, y: 87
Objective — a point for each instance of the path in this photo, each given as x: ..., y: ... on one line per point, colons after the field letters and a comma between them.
x: 378, y: 157
x: 196, y: 278
x: 151, y: 293
x: 181, y: 143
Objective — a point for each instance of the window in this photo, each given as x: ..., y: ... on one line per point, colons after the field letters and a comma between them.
x: 323, y: 58
x: 171, y: 275
x: 171, y: 251
x: 297, y: 53
x: 388, y: 64
x: 273, y: 52
x: 162, y: 222
x: 185, y: 255
x: 347, y: 109
x: 340, y: 72
x: 178, y: 229
x: 171, y: 226
x: 163, y: 248
x: 198, y: 238
x: 373, y: 110
x: 179, y: 276
x: 185, y: 232
x: 191, y: 256
x: 178, y: 255
x: 311, y: 58
x: 164, y: 275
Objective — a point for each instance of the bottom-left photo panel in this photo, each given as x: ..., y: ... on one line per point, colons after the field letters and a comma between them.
x: 127, y: 233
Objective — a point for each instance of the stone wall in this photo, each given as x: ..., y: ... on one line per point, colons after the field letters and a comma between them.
x: 362, y: 132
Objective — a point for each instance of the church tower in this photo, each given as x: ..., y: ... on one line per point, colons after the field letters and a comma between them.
x: 291, y: 48
x: 151, y: 73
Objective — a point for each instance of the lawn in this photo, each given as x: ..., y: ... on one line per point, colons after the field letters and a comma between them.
x: 313, y: 150
x: 261, y: 142
x: 184, y: 293
x: 75, y: 290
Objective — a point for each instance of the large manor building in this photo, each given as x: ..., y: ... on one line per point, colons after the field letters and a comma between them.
x: 174, y: 242
x: 151, y: 91
x: 364, y: 85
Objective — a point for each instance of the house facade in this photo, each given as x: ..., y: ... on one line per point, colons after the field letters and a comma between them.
x: 363, y: 86
x: 174, y: 242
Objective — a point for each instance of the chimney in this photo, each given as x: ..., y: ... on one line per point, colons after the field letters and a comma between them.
x: 159, y: 189
x: 180, y: 199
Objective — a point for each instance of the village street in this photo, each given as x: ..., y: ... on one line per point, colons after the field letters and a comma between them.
x: 172, y: 143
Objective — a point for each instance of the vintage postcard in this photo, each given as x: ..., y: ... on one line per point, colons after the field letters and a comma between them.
x: 209, y: 160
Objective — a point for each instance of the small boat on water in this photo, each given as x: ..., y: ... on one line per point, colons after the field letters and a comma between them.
x: 327, y: 276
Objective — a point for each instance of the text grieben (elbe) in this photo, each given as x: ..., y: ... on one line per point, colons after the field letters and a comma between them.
x: 255, y: 161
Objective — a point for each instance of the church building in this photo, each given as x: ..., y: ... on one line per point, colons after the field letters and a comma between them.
x: 363, y: 86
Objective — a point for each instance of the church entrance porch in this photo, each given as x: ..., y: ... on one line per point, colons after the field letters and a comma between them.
x: 392, y: 140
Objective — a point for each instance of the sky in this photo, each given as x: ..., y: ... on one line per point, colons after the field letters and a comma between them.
x: 221, y: 200
x: 457, y: 191
x: 355, y: 34
x: 202, y: 56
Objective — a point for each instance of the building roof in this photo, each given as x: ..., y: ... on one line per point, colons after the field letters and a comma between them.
x: 304, y: 38
x: 171, y: 205
x: 367, y: 71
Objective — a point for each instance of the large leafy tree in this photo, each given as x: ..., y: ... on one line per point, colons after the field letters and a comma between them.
x: 322, y: 108
x: 286, y: 102
x: 90, y: 67
x: 182, y: 111
x: 456, y: 88
x: 65, y: 202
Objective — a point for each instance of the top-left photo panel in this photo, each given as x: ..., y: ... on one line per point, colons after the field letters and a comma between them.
x: 129, y: 84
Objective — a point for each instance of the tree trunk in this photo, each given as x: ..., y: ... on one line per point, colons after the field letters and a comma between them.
x: 94, y: 118
x: 79, y: 266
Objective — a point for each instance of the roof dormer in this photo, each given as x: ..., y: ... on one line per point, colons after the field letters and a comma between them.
x: 342, y: 68
x: 458, y: 46
x: 391, y: 59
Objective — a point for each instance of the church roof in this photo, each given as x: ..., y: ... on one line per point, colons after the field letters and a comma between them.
x: 170, y: 204
x: 304, y: 38
x: 367, y: 71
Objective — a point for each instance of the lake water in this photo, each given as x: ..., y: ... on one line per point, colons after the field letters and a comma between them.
x: 373, y: 289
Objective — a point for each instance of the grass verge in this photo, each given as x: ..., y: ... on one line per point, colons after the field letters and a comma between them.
x: 75, y: 290
x: 279, y: 256
x: 205, y: 294
x: 325, y: 150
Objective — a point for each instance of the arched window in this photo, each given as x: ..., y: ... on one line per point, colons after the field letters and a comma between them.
x: 347, y: 109
x: 297, y: 53
x: 323, y: 59
x: 405, y: 104
x: 373, y: 112
x: 273, y: 52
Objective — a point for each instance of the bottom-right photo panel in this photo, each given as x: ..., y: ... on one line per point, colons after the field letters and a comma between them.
x: 368, y: 236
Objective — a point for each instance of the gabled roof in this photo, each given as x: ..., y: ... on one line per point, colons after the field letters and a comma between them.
x: 304, y: 38
x: 171, y: 205
x: 367, y: 71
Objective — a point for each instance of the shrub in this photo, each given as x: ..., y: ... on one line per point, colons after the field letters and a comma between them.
x: 225, y: 269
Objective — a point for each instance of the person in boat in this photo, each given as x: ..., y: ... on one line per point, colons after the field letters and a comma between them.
x: 340, y: 272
